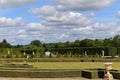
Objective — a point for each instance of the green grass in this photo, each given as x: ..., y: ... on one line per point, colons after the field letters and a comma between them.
x: 73, y: 65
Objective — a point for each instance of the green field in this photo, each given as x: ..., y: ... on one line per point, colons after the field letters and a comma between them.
x: 73, y: 65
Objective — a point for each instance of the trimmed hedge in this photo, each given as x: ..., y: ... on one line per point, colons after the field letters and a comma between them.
x: 116, y: 75
x: 110, y: 51
x: 26, y: 71
x: 118, y: 51
x: 17, y: 65
x: 62, y: 52
x: 62, y: 60
x: 89, y: 74
x: 36, y: 73
x: 39, y: 74
x: 99, y: 73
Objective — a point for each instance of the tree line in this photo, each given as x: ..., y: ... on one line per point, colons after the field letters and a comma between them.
x: 99, y: 43
x: 76, y: 48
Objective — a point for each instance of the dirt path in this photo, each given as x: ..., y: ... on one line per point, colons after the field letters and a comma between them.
x: 47, y: 79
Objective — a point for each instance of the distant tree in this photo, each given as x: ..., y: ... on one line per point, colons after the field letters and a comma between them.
x: 67, y: 44
x: 18, y: 46
x: 36, y: 43
x: 116, y: 41
x: 87, y: 43
x: 77, y: 43
x: 61, y: 45
x: 5, y: 44
x: 99, y: 43
x: 108, y: 42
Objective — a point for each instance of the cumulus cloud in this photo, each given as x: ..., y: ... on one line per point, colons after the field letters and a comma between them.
x: 83, y: 5
x: 85, y: 30
x: 63, y: 21
x: 9, y: 22
x: 60, y: 22
x: 118, y: 15
x: 104, y: 27
x: 35, y: 26
x: 21, y: 32
x: 15, y: 3
x: 44, y: 11
x: 67, y: 20
x: 69, y: 25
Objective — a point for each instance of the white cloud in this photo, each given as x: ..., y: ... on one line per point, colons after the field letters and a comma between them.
x: 104, y: 30
x: 84, y: 30
x: 67, y: 20
x: 78, y: 5
x: 104, y: 27
x: 23, y: 36
x: 118, y: 15
x: 21, y: 32
x: 92, y: 14
x: 34, y: 26
x: 62, y: 36
x: 69, y: 25
x: 56, y: 25
x: 15, y: 3
x: 9, y: 22
x: 44, y: 11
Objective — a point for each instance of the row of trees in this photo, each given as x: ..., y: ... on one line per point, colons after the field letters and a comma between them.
x: 99, y: 43
x: 40, y: 48
x: 109, y: 42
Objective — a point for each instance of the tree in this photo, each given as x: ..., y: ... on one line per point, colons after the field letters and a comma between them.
x: 99, y: 43
x: 77, y: 43
x: 36, y: 43
x: 5, y: 44
x: 116, y: 41
x: 67, y: 44
x: 87, y: 43
x: 108, y: 42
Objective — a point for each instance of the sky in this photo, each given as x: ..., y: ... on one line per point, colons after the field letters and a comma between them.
x: 51, y: 21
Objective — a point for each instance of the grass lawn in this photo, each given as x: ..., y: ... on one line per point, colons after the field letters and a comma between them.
x: 73, y: 65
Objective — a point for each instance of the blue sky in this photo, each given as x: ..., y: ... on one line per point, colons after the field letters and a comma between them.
x: 22, y: 21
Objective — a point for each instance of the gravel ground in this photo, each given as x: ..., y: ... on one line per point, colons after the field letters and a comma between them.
x: 47, y: 79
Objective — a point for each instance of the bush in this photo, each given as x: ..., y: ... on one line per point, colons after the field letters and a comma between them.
x: 39, y: 74
x: 90, y: 74
x: 110, y: 51
x: 116, y: 75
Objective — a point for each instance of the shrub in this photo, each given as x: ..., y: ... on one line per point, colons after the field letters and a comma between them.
x: 90, y: 74
x: 39, y: 74
x: 110, y: 51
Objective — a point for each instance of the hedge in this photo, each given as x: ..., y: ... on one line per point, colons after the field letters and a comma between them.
x: 116, y: 75
x: 110, y: 51
x: 39, y: 74
x: 17, y: 65
x: 89, y: 74
x: 36, y: 73
x: 118, y: 51
x: 99, y: 73
x: 61, y: 52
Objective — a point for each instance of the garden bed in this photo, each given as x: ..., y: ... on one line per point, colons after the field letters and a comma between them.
x: 28, y: 71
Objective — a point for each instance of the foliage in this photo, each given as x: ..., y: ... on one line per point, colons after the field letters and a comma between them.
x: 4, y: 44
x: 90, y: 74
x: 111, y: 51
x: 76, y: 49
x: 36, y: 43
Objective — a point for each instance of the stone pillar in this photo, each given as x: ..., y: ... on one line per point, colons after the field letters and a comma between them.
x: 108, y: 67
x: 103, y: 53
x: 85, y: 52
x: 8, y: 52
